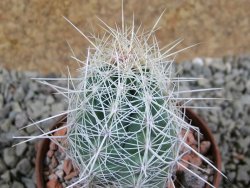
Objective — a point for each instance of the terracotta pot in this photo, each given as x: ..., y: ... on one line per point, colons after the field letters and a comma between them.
x: 214, y: 150
x: 43, y: 147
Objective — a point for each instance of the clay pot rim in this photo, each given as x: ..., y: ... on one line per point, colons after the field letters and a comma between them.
x: 43, y: 147
x: 204, y: 129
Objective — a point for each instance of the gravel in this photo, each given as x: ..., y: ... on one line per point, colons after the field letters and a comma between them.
x: 23, y: 101
x: 230, y: 122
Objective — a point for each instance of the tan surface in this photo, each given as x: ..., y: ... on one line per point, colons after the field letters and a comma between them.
x: 33, y: 33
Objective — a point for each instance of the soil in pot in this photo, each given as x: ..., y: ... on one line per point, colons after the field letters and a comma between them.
x: 192, y: 161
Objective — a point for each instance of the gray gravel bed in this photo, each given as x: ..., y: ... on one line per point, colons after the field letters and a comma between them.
x: 230, y: 122
x: 23, y: 101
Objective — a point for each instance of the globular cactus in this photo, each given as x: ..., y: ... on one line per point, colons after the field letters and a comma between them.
x: 124, y: 125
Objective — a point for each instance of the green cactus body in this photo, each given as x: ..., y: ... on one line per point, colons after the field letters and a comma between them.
x: 123, y: 133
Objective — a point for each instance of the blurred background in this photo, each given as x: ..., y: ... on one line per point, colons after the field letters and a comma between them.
x: 33, y: 33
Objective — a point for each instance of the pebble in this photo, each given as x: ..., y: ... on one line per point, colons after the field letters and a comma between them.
x: 70, y: 175
x: 20, y: 149
x: 53, y: 146
x: 29, y: 183
x: 12, y: 115
x: 59, y: 174
x: 49, y: 100
x: 17, y: 184
x: 207, y: 73
x: 204, y: 147
x: 6, y: 176
x: 198, y: 61
x: 31, y: 130
x: 218, y: 66
x: 186, y: 66
x: 1, y: 101
x: 61, y: 132
x: 202, y: 82
x: 54, y: 162
x: 2, y: 166
x: 16, y: 107
x: 33, y: 86
x: 245, y: 99
x: 21, y: 119
x: 5, y: 186
x: 36, y: 109
x: 242, y: 174
x: 218, y: 79
x: 50, y: 153
x: 4, y: 112
x: 19, y: 94
x: 5, y: 125
x: 67, y: 166
x: 245, y: 143
x: 195, y: 182
x: 231, y: 176
x: 52, y: 176
x: 9, y: 157
x: 14, y: 173
x: 29, y: 96
x: 248, y: 86
x: 57, y: 108
x: 24, y: 166
x: 5, y: 139
x: 60, y: 166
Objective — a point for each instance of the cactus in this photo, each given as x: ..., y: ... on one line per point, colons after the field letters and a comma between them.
x: 123, y: 120
x: 124, y: 132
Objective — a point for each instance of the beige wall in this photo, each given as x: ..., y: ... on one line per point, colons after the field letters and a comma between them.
x: 33, y: 33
